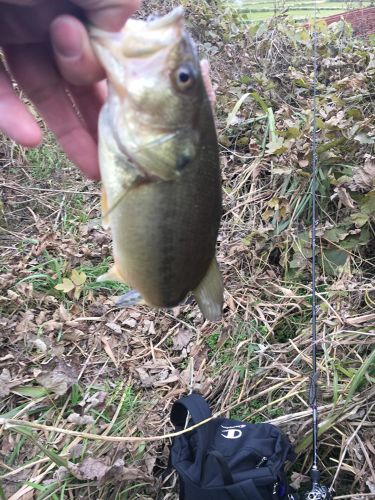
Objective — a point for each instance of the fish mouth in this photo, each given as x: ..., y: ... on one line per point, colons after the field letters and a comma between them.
x: 161, y: 22
x: 141, y: 38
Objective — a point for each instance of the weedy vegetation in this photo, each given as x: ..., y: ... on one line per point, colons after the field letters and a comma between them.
x: 255, y: 10
x: 71, y: 361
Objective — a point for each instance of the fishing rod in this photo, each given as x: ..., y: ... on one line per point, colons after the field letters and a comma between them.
x: 317, y: 491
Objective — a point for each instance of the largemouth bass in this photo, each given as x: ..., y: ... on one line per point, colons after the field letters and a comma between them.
x: 159, y: 164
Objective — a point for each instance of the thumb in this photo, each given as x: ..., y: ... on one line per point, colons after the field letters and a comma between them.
x: 109, y: 15
x: 73, y: 52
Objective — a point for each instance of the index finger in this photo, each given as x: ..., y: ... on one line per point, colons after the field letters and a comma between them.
x: 109, y: 15
x: 20, y: 2
x: 15, y: 120
x: 33, y: 69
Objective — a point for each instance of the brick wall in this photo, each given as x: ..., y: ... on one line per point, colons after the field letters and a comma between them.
x: 362, y: 20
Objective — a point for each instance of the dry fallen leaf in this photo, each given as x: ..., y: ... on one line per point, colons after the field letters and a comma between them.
x: 96, y: 469
x: 62, y: 314
x: 73, y: 335
x: 13, y: 295
x: 364, y: 177
x: 150, y: 461
x: 57, y: 377
x: 77, y: 419
x: 26, y: 325
x: 39, y: 345
x: 108, y: 349
x: 297, y: 479
x: 345, y: 198
x: 182, y: 339
x: 4, y: 383
x: 77, y: 450
x: 60, y: 473
x: 146, y: 379
x: 96, y: 400
x: 51, y: 326
x: 174, y: 377
x: 130, y: 322
x: 66, y: 286
x: 74, y: 282
x: 90, y: 468
x: 7, y: 444
x: 78, y: 278
x: 114, y: 327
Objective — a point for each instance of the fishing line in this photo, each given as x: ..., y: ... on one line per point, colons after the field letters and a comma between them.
x: 317, y: 491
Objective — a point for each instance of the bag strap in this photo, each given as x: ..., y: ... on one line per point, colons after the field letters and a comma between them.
x: 195, y: 404
x: 197, y: 407
x: 225, y: 469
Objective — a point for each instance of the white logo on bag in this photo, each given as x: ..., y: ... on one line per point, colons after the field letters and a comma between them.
x: 232, y: 433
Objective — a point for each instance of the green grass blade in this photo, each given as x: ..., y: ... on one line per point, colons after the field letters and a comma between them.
x: 236, y: 108
x: 323, y: 427
x: 260, y: 101
x: 52, y: 455
x: 2, y: 494
x: 272, y: 124
x: 34, y: 392
x: 360, y: 376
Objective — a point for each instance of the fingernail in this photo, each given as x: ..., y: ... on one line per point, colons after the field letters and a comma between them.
x: 66, y: 39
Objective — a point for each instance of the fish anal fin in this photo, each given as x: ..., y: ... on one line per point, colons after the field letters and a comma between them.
x: 209, y: 293
x: 113, y: 274
x: 105, y: 217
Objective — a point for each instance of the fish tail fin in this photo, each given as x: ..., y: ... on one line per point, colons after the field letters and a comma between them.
x: 131, y: 298
x: 209, y: 293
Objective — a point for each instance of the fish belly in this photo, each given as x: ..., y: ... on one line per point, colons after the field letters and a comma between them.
x: 164, y: 236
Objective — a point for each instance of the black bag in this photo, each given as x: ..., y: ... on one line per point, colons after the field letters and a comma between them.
x: 226, y: 459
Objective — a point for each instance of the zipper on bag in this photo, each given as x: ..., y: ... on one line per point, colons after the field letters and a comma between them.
x: 262, y: 462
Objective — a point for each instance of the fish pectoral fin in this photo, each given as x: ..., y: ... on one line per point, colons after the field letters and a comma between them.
x: 164, y: 157
x: 106, y: 210
x: 104, y: 203
x: 209, y: 293
x: 131, y: 298
x: 112, y: 275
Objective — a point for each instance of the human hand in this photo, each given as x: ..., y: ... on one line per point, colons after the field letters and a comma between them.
x: 48, y: 53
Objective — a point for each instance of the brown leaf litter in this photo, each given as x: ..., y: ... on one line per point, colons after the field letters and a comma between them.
x: 57, y: 377
x: 97, y: 470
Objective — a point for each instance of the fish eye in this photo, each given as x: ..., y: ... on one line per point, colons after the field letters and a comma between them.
x: 185, y: 78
